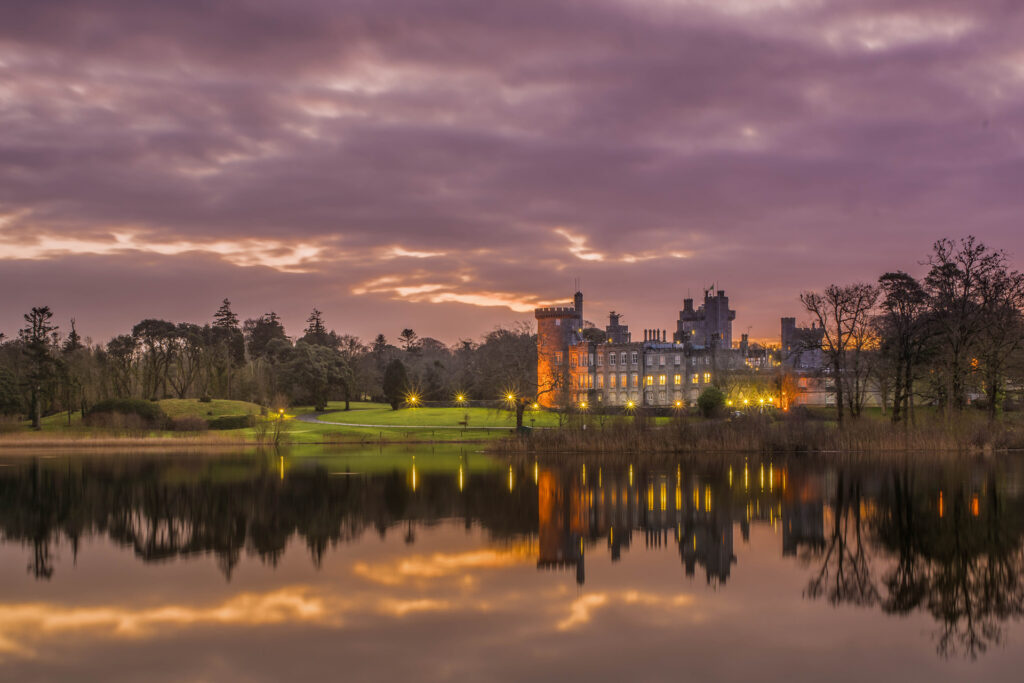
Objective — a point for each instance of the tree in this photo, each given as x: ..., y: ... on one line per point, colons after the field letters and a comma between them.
x: 37, y: 338
x: 711, y: 401
x: 74, y: 341
x: 259, y: 332
x: 316, y: 331
x: 843, y: 314
x: 1002, y: 335
x: 902, y: 327
x: 158, y: 341
x: 396, y: 383
x: 409, y: 340
x: 956, y: 286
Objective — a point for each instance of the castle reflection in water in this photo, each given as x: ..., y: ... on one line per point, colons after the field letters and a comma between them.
x: 945, y: 537
x: 698, y: 513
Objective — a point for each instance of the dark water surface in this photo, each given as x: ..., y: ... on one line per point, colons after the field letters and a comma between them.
x: 421, y: 565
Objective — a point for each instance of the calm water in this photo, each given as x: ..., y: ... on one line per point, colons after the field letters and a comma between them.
x: 423, y: 565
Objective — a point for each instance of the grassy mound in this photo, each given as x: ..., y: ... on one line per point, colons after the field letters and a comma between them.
x: 192, y: 407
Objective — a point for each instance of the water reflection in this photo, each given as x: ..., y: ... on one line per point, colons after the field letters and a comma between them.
x: 945, y: 541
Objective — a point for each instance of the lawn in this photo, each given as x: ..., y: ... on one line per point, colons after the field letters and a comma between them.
x: 382, y: 414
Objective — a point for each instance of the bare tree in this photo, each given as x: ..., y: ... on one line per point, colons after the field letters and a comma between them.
x: 843, y: 312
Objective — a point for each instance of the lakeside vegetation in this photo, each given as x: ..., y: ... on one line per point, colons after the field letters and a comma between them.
x: 930, y: 351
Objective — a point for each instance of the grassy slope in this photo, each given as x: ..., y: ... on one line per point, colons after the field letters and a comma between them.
x: 180, y: 407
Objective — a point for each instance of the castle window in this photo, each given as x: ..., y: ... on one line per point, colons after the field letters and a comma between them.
x: 622, y: 380
x: 591, y: 358
x: 677, y: 379
x: 634, y: 357
x: 649, y: 380
x: 661, y: 359
x: 558, y: 357
x: 611, y: 358
x: 636, y: 379
x: 611, y: 381
x: 694, y: 378
x: 661, y: 380
x: 590, y: 381
x: 678, y: 359
x: 572, y: 360
x: 707, y: 377
x: 649, y: 360
x: 600, y: 360
x: 600, y: 381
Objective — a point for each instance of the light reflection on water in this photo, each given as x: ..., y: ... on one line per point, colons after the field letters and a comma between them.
x: 454, y: 566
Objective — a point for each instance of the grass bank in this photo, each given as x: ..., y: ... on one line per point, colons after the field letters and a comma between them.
x: 368, y: 424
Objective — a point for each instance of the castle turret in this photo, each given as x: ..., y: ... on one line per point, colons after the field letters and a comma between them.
x: 556, y: 329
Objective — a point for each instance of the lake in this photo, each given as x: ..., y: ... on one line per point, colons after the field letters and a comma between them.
x: 445, y: 564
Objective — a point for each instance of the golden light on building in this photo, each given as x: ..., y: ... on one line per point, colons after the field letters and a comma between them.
x: 630, y: 476
x: 679, y: 498
x: 664, y: 496
x: 707, y: 499
x: 511, y: 479
x: 462, y: 482
x: 650, y: 497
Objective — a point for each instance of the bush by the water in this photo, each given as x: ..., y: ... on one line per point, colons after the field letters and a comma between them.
x: 146, y: 414
x: 232, y: 422
x: 711, y: 402
x: 189, y: 423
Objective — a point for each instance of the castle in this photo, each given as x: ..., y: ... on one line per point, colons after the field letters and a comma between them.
x: 588, y: 367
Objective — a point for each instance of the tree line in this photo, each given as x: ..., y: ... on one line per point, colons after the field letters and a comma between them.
x: 44, y: 371
x: 953, y: 338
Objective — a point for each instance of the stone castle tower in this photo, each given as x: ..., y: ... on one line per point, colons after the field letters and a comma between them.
x: 557, y: 328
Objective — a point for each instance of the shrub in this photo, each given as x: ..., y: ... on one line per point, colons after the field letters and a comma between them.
x: 205, y: 398
x: 232, y: 422
x: 189, y: 423
x: 149, y: 414
x: 711, y: 402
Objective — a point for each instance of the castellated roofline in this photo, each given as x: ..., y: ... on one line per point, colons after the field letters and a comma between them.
x: 556, y: 312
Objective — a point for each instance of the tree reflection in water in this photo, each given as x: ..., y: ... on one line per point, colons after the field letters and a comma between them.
x: 946, y: 540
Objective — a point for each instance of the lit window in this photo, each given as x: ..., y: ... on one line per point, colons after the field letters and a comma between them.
x: 677, y: 379
x: 636, y: 379
x: 649, y: 380
x: 707, y: 377
x: 611, y: 381
x: 661, y: 380
x: 622, y: 380
x: 695, y: 378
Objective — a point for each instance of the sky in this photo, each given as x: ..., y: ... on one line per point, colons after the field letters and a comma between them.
x: 448, y: 165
